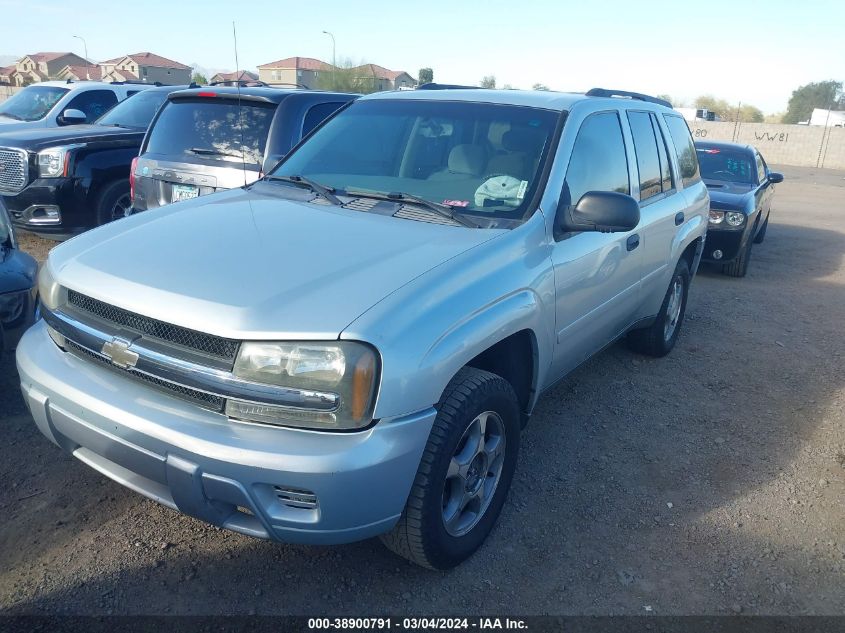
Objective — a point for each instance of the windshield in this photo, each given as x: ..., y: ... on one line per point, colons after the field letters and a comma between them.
x: 477, y: 158
x: 32, y: 103
x: 135, y: 112
x: 726, y: 164
x: 212, y: 129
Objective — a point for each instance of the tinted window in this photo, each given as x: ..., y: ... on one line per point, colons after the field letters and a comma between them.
x: 136, y: 111
x: 212, y: 129
x: 645, y: 147
x: 682, y: 142
x: 32, y: 103
x: 598, y: 161
x: 317, y: 114
x: 437, y: 150
x: 94, y: 103
x: 761, y: 168
x: 729, y: 165
x: 667, y: 181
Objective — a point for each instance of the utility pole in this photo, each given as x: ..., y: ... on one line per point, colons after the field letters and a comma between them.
x: 87, y: 61
x: 334, y: 60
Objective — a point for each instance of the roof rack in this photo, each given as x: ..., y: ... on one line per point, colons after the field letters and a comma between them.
x: 136, y: 81
x: 604, y: 92
x: 434, y: 86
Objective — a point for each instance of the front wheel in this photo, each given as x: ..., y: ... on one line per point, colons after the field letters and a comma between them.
x: 464, y: 475
x: 761, y: 234
x: 739, y: 266
x: 114, y: 202
x: 660, y: 337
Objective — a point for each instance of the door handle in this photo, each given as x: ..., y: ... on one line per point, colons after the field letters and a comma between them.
x: 679, y: 218
x: 633, y: 242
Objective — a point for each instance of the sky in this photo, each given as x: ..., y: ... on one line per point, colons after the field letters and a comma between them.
x: 740, y: 50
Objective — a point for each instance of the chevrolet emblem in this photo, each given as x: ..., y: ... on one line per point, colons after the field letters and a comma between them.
x: 118, y: 352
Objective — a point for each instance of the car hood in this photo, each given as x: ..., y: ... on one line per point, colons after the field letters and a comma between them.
x: 17, y: 270
x: 10, y: 125
x: 248, y: 266
x: 39, y: 138
x: 728, y: 195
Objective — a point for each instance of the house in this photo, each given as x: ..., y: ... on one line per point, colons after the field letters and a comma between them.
x: 302, y: 71
x: 6, y: 75
x: 146, y: 67
x: 90, y: 72
x: 386, y: 79
x: 42, y: 66
x: 243, y: 75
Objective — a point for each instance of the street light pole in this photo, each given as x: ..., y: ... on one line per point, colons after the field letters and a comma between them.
x: 87, y: 61
x: 334, y: 59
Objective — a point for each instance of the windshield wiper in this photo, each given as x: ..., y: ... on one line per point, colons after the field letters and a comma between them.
x: 443, y: 210
x: 316, y: 187
x: 216, y: 152
x: 12, y: 116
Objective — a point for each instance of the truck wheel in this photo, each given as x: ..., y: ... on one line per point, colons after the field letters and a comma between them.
x: 113, y: 202
x: 659, y: 338
x: 739, y: 266
x: 464, y: 474
x: 761, y: 234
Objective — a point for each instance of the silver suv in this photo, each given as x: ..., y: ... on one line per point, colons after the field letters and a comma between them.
x: 352, y: 345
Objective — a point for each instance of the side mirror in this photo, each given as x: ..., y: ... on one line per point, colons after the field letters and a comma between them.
x: 270, y: 162
x: 775, y: 177
x: 71, y: 116
x: 603, y: 211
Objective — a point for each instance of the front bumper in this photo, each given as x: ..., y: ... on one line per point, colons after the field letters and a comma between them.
x: 64, y: 195
x: 234, y: 475
x: 729, y: 241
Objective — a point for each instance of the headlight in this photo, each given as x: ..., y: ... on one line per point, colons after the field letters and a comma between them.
x: 330, y: 386
x: 734, y: 219
x: 53, y: 162
x: 48, y: 290
x: 717, y: 217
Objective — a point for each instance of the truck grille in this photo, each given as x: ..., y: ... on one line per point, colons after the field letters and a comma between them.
x: 216, y: 346
x: 14, y: 169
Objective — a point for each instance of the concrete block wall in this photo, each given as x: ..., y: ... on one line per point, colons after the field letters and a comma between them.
x: 781, y: 144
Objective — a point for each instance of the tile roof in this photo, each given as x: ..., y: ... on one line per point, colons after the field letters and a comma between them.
x: 244, y: 75
x: 149, y: 59
x: 84, y: 72
x: 380, y: 71
x: 7, y: 70
x: 299, y: 63
x: 46, y: 57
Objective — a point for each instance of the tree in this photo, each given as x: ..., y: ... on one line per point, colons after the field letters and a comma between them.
x: 425, y: 76
x: 488, y: 81
x: 539, y: 87
x: 199, y: 78
x: 745, y: 113
x: 819, y: 94
x: 348, y: 77
x: 667, y: 98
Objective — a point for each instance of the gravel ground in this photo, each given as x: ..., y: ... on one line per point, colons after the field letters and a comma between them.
x: 708, y: 482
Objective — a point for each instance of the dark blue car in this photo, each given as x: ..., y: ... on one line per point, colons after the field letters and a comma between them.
x: 17, y: 281
x: 741, y: 189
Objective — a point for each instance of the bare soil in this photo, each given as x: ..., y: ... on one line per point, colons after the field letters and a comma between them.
x: 708, y: 482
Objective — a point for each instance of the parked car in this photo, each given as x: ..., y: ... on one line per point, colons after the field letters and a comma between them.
x: 741, y: 189
x: 52, y: 104
x: 17, y: 287
x: 60, y: 182
x: 351, y: 346
x: 221, y: 137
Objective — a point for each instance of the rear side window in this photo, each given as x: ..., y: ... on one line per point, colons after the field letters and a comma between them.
x: 317, y: 114
x: 666, y: 179
x: 682, y: 141
x: 648, y: 160
x: 598, y: 161
x: 212, y: 129
x: 94, y: 103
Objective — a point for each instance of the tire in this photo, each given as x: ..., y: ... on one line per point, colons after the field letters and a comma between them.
x: 660, y: 337
x: 739, y: 266
x: 113, y: 202
x: 433, y: 530
x: 761, y: 234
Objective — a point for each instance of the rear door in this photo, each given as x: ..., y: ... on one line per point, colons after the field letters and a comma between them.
x: 597, y: 275
x: 199, y: 145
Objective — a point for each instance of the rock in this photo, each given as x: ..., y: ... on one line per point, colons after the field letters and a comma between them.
x: 669, y: 505
x: 257, y: 592
x: 625, y: 578
x: 823, y: 482
x: 719, y: 440
x: 737, y: 608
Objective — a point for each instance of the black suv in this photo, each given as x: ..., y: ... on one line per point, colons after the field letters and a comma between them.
x: 61, y: 181
x: 222, y: 137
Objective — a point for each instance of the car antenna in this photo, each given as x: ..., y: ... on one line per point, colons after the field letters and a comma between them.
x: 240, y: 108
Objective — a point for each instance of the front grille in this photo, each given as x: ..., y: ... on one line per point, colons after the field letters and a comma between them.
x: 14, y: 169
x: 296, y: 498
x: 217, y: 346
x: 205, y: 400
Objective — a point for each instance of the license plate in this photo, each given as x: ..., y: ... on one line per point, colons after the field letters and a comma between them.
x: 184, y: 192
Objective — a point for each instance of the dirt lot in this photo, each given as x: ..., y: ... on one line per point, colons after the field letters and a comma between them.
x: 709, y: 482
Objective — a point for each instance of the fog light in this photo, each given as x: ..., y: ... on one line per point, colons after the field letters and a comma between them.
x: 43, y: 214
x: 717, y: 254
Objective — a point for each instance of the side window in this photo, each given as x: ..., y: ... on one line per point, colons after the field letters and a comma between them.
x: 129, y: 93
x: 682, y: 142
x: 598, y: 161
x: 667, y: 179
x: 317, y: 114
x: 761, y: 168
x: 93, y: 103
x: 648, y: 160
